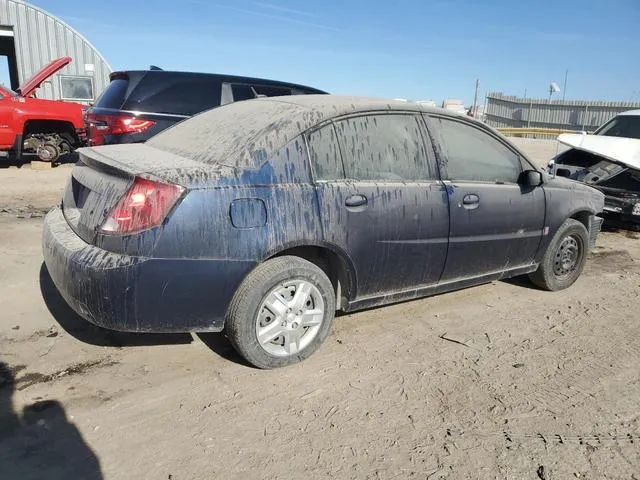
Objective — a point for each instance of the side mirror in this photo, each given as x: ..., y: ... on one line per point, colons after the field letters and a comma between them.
x: 530, y: 178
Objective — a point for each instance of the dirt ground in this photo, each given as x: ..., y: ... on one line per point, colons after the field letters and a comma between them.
x: 500, y: 381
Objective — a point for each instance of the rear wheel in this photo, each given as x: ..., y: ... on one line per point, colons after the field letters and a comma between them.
x: 565, y: 257
x: 281, y: 313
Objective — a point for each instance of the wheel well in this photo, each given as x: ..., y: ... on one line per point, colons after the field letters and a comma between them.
x: 582, y: 217
x: 51, y: 126
x: 332, y: 264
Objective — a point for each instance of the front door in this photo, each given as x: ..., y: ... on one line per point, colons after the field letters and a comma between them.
x: 7, y: 128
x: 381, y: 200
x: 496, y: 224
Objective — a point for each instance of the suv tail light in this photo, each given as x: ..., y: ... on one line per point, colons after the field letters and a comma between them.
x: 101, y: 125
x: 145, y: 205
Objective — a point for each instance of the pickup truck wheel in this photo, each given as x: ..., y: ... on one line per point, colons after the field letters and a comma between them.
x: 281, y: 313
x: 564, y: 259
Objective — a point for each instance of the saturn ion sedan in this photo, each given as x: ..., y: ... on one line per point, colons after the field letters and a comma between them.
x: 262, y: 218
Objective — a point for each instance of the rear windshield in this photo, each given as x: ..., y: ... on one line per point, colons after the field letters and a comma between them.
x: 627, y: 126
x: 241, y: 134
x: 174, y: 94
x: 113, y: 96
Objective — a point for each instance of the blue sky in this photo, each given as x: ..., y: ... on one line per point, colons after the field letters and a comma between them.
x: 416, y: 49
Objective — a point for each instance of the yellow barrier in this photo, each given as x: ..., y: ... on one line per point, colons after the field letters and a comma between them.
x: 516, y: 132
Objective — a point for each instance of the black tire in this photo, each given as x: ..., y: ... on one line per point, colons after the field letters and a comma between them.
x: 243, y: 313
x: 558, y: 270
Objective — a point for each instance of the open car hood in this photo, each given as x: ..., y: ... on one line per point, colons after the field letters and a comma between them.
x: 28, y: 87
x: 622, y: 150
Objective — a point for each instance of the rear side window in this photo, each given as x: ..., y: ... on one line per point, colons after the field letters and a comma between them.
x: 113, y: 95
x: 178, y: 95
x: 471, y: 154
x: 272, y: 91
x: 325, y: 154
x: 246, y: 91
x: 384, y: 147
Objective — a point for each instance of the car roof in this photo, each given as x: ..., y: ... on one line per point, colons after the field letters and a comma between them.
x: 251, y: 130
x: 331, y: 106
x: 221, y: 76
x: 632, y: 113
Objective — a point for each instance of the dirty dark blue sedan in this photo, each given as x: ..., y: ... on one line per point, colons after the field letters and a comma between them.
x: 262, y: 218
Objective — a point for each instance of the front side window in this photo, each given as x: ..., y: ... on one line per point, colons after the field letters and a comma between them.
x: 471, y: 154
x: 325, y: 154
x: 384, y: 147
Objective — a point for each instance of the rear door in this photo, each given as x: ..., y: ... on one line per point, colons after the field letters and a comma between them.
x: 381, y: 200
x: 495, y: 223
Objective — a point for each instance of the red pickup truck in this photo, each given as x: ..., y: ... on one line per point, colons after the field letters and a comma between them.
x: 32, y: 127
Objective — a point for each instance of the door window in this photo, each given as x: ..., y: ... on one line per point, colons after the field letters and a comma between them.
x: 384, y: 147
x: 325, y: 154
x: 471, y: 154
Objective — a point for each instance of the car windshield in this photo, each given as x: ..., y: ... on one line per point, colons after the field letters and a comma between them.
x: 241, y: 134
x: 627, y: 126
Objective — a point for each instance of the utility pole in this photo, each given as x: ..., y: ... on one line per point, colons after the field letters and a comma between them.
x: 564, y: 87
x: 475, y: 99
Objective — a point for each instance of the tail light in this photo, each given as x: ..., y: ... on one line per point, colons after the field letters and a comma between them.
x: 101, y: 125
x: 145, y: 205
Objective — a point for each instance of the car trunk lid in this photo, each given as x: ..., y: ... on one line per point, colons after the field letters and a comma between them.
x: 103, y: 175
x: 92, y: 191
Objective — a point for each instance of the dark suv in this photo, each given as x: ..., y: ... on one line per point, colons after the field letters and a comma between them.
x: 138, y: 104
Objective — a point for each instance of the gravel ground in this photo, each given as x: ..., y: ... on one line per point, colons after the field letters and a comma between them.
x: 501, y: 381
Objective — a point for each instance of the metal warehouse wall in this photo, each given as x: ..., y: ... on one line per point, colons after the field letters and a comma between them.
x: 507, y: 111
x: 40, y: 37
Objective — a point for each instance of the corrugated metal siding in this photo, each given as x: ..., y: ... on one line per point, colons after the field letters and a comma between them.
x: 41, y: 37
x: 508, y: 111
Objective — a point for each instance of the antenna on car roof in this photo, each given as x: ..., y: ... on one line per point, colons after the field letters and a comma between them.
x: 153, y: 67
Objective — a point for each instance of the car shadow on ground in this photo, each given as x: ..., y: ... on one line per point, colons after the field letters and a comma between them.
x: 86, y: 332
x: 521, y: 281
x: 219, y: 344
x: 21, y: 162
x: 40, y: 441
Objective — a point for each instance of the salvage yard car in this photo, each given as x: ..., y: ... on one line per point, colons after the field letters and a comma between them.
x: 262, y: 218
x: 37, y: 128
x: 608, y: 160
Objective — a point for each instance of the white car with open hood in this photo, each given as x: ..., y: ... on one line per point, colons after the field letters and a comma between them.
x: 608, y: 160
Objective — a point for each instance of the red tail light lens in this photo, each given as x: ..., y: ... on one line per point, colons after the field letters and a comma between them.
x: 145, y: 205
x: 101, y: 125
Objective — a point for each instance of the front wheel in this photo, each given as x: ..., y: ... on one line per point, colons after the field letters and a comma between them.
x: 281, y: 313
x: 565, y: 257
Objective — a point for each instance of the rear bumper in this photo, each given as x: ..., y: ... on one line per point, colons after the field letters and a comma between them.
x: 138, y: 294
